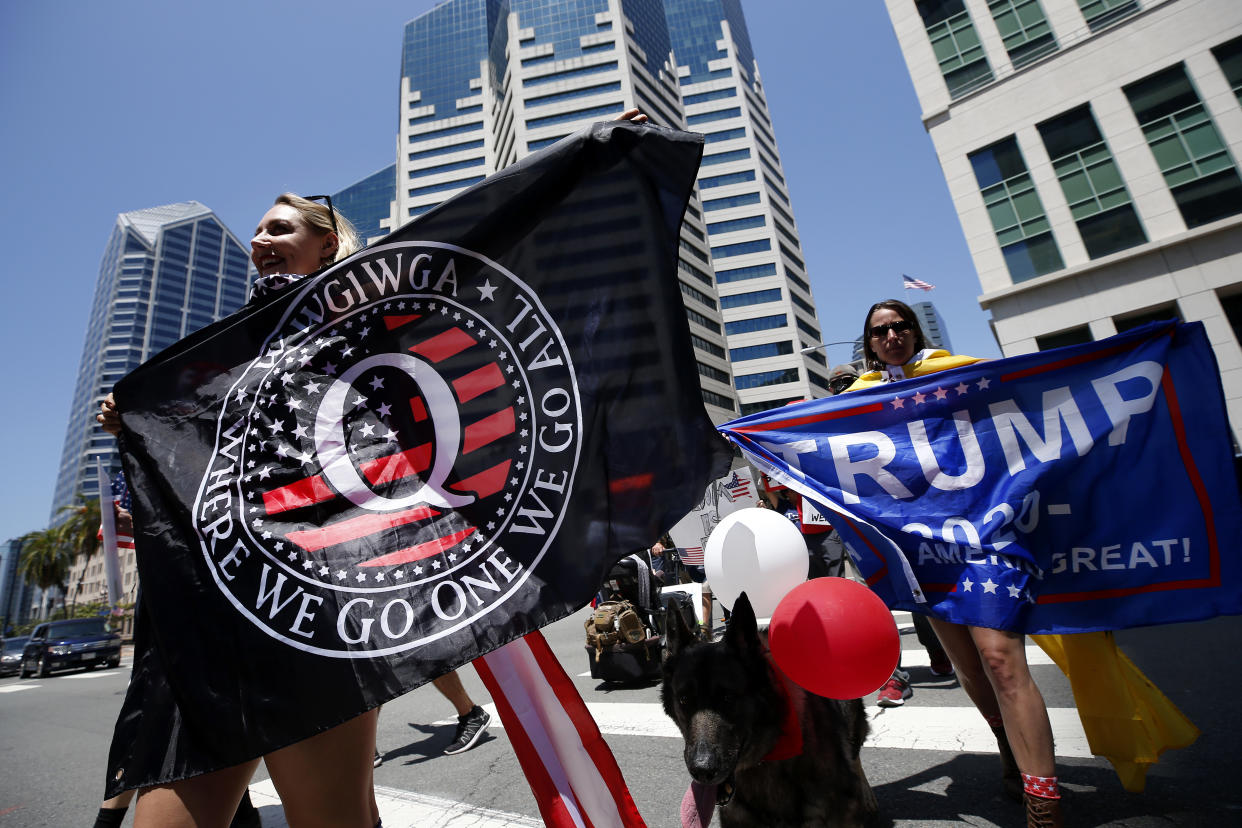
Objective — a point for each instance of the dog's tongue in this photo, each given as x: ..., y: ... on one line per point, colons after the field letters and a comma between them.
x: 697, y: 805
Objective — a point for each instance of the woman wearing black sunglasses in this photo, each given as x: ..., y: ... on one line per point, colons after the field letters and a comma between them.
x: 991, y: 664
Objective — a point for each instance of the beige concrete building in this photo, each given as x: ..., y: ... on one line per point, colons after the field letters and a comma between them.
x: 1091, y: 148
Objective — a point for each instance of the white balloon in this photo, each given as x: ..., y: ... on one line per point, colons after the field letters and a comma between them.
x: 756, y: 551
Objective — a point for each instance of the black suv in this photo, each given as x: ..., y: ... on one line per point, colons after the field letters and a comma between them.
x: 78, y: 642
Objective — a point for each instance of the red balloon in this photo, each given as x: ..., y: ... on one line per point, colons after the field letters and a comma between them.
x: 835, y: 638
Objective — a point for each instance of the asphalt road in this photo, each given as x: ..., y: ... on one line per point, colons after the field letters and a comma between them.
x: 931, y: 762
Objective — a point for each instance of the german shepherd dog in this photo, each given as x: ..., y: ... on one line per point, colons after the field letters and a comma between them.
x: 733, y: 708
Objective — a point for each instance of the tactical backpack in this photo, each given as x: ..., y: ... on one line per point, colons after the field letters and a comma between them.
x: 613, y: 623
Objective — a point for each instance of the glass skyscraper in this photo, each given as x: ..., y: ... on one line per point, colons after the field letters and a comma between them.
x: 166, y: 272
x: 486, y: 82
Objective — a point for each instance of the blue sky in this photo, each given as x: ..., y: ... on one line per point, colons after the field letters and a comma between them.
x: 118, y: 106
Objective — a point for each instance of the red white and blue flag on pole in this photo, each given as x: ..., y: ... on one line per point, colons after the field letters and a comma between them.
x: 406, y: 461
x: 1082, y: 489
x: 910, y: 283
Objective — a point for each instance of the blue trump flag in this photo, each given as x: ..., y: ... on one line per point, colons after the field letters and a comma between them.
x: 1082, y: 489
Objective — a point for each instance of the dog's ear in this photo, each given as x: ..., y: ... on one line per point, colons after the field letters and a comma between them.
x: 677, y: 636
x: 743, y: 632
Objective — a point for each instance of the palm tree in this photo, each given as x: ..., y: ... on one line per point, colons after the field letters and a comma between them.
x: 79, y: 526
x: 45, y: 559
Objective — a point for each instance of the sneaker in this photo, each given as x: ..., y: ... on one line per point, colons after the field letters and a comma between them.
x: 469, y: 728
x: 894, y: 692
x: 379, y: 759
x: 941, y: 666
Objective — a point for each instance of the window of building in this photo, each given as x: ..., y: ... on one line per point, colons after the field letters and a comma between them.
x: 724, y: 135
x: 1229, y: 56
x: 706, y: 346
x: 767, y: 349
x: 1101, y: 13
x: 700, y: 319
x: 730, y: 201
x: 712, y: 373
x: 768, y: 405
x: 1232, y: 305
x: 714, y: 115
x: 1071, y: 336
x: 1024, y: 29
x: 739, y: 273
x: 1097, y: 196
x: 726, y: 250
x: 1138, y: 319
x: 746, y: 223
x: 1188, y: 149
x: 718, y: 400
x: 727, y: 178
x: 1016, y: 212
x: 765, y: 378
x: 714, y: 95
x: 724, y: 157
x: 956, y: 44
x: 758, y: 323
x: 809, y: 329
x: 757, y: 297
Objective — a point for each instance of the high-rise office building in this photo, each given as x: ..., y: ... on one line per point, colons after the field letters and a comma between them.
x: 934, y: 329
x: 485, y: 83
x: 16, y: 595
x: 1091, y: 148
x: 166, y: 272
x: 760, y: 269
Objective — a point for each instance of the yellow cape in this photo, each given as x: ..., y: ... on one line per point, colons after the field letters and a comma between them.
x: 931, y: 362
x: 1126, y: 718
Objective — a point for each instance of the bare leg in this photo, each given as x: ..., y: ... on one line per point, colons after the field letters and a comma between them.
x: 207, y: 801
x: 451, y: 688
x: 958, y: 643
x: 1003, y: 655
x: 326, y: 781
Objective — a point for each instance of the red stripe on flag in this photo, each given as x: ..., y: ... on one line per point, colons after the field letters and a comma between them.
x: 419, y: 408
x: 487, y: 482
x: 444, y: 345
x: 631, y: 484
x: 551, y: 806
x: 535, y: 697
x: 354, y: 528
x: 588, y: 730
x: 813, y: 418
x: 397, y: 466
x: 311, y: 490
x: 490, y: 428
x: 295, y: 495
x: 394, y: 322
x: 124, y: 542
x: 422, y: 550
x: 478, y: 382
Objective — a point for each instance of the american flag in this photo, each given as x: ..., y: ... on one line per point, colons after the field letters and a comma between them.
x: 120, y: 496
x: 915, y: 284
x: 737, y: 487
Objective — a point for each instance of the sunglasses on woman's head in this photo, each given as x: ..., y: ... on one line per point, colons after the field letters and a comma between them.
x: 331, y: 212
x: 880, y: 331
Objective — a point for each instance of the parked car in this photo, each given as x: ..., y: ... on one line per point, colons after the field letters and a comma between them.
x: 78, y: 642
x: 11, y: 657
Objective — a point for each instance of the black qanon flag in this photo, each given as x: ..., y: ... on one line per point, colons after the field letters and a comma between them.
x: 409, y: 459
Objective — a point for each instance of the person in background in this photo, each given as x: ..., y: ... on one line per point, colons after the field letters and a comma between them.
x: 991, y: 664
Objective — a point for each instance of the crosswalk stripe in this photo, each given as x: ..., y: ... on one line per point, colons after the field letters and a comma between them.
x: 406, y: 809
x: 13, y: 688
x: 911, y: 726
